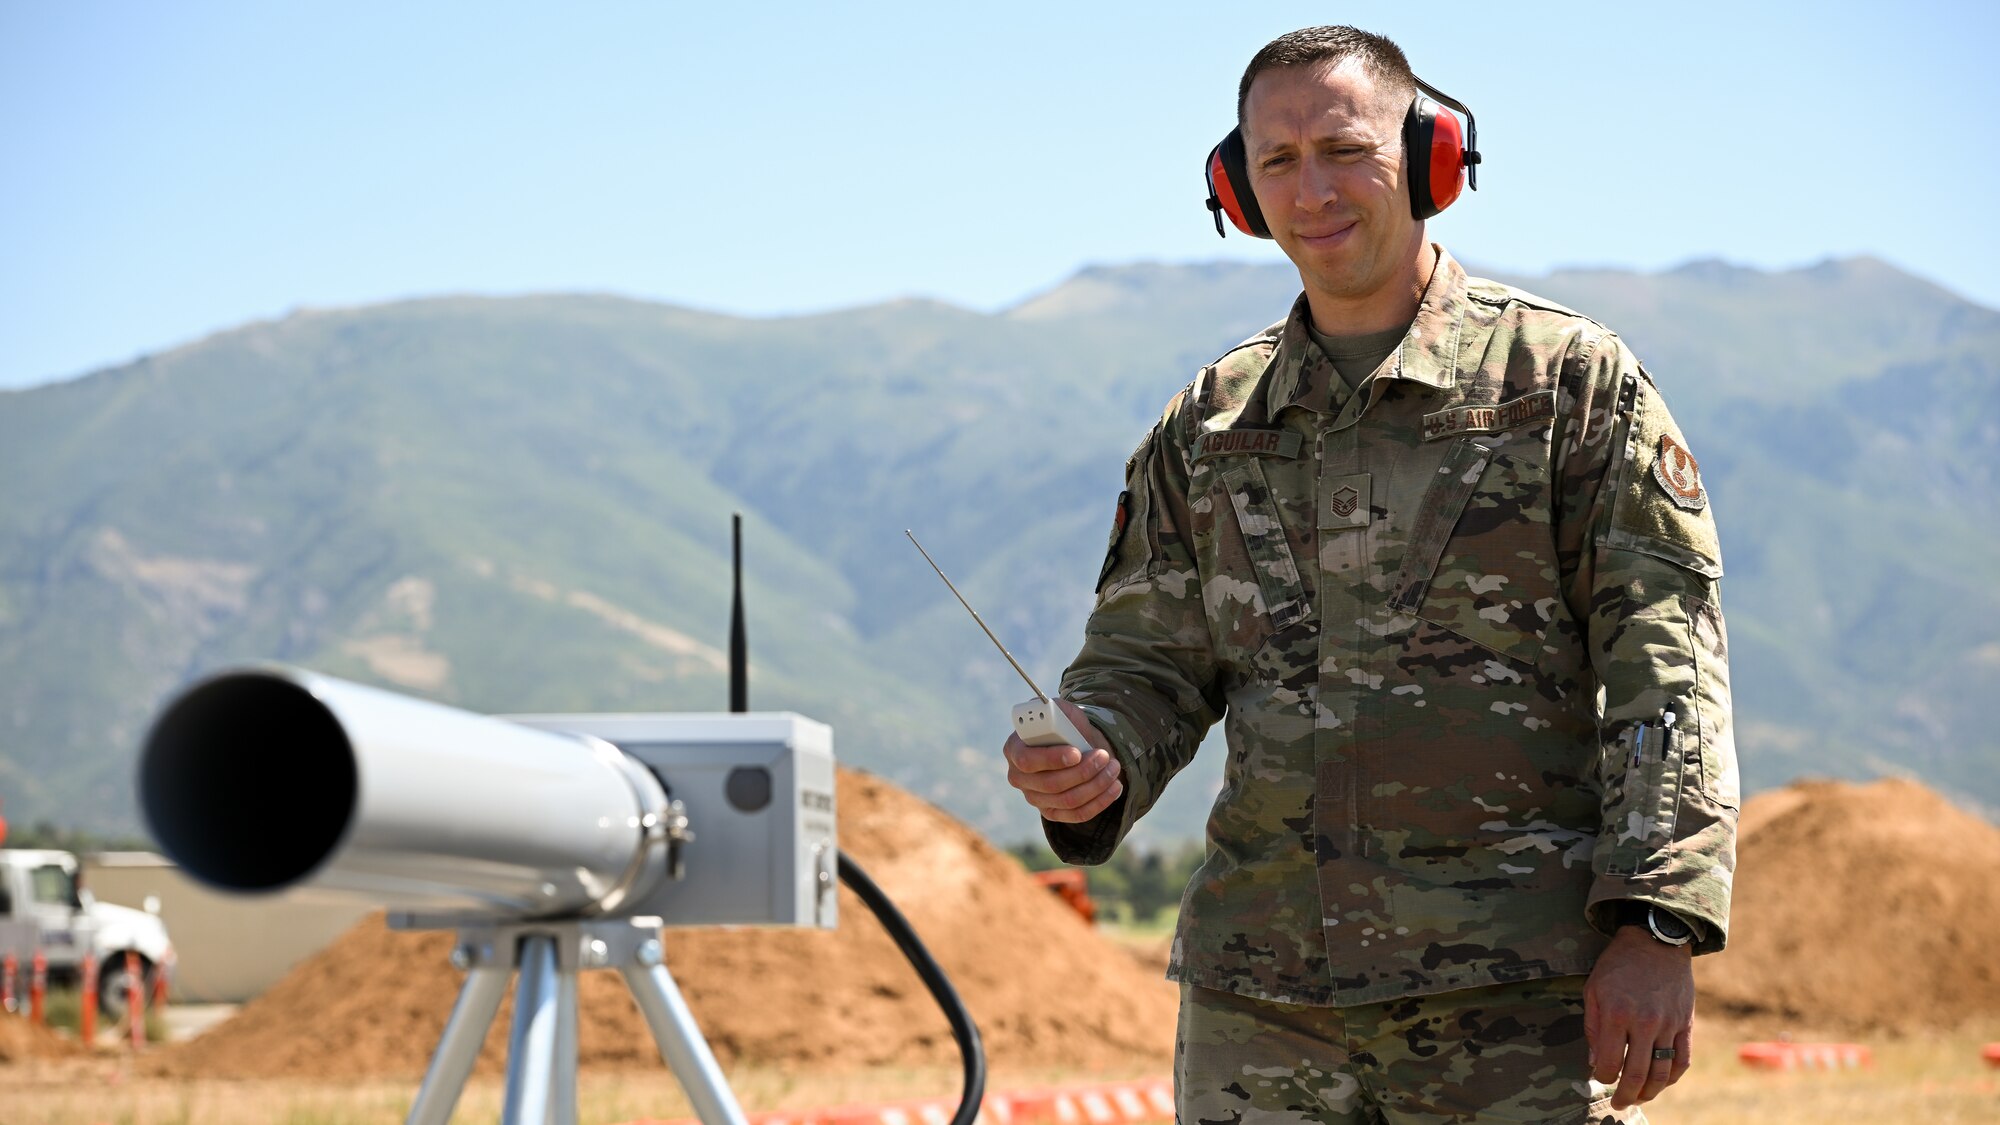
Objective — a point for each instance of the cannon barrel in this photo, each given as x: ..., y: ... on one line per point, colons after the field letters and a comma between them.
x: 266, y: 778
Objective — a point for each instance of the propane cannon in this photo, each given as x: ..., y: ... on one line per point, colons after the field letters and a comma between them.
x: 260, y: 779
x: 551, y: 843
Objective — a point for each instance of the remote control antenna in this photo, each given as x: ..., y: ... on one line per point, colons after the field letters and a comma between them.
x: 739, y: 645
x: 1039, y: 694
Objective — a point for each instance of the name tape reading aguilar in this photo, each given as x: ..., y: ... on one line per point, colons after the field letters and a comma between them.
x: 1265, y: 443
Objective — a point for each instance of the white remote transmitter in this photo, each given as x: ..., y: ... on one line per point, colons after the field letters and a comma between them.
x: 1039, y: 721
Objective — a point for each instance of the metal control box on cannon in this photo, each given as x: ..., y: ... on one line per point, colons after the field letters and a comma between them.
x: 760, y: 789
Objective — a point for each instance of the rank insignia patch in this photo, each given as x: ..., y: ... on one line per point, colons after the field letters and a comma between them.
x: 1343, y: 502
x: 1676, y: 471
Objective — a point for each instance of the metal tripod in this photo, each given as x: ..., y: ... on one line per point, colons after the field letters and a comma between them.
x: 541, y: 1045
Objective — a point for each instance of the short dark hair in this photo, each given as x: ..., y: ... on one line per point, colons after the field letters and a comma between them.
x: 1380, y: 56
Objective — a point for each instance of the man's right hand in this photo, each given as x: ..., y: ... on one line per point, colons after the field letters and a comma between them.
x: 1067, y: 784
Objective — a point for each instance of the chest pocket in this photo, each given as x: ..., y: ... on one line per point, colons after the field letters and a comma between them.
x: 1266, y: 557
x: 1480, y: 559
x: 1259, y: 604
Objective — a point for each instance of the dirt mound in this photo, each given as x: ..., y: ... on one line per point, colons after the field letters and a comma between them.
x: 1044, y: 988
x: 1860, y: 907
x: 21, y: 1040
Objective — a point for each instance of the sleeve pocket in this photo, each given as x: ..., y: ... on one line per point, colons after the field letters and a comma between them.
x: 1266, y: 547
x: 1716, y: 744
x: 1643, y: 797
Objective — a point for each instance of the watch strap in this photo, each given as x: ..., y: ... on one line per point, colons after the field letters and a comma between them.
x: 1632, y: 912
x: 1629, y: 912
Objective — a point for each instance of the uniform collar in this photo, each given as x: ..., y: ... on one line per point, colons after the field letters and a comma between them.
x: 1301, y: 375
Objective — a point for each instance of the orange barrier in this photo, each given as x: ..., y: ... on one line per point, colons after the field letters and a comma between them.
x: 38, y: 989
x: 135, y: 999
x: 9, y: 969
x: 159, y: 1000
x: 1805, y: 1056
x: 1071, y: 885
x: 1110, y: 1103
x: 1991, y: 1054
x: 87, y: 1010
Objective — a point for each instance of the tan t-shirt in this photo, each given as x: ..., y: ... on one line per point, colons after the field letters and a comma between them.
x: 1357, y: 357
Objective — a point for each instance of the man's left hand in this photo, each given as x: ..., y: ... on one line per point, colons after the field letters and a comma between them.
x: 1640, y: 997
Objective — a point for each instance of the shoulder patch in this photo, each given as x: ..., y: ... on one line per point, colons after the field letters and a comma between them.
x: 1111, y: 549
x: 1676, y: 471
x: 1659, y: 502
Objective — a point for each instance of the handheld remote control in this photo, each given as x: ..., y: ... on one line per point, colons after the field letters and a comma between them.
x: 1039, y: 721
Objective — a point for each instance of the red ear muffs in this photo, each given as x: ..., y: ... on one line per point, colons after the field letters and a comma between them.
x: 1229, y: 192
x: 1438, y: 156
x: 1441, y: 162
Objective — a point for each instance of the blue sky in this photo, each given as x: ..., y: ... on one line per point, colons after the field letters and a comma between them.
x: 167, y: 170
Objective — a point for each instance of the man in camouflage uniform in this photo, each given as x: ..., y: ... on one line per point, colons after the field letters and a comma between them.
x: 1434, y: 552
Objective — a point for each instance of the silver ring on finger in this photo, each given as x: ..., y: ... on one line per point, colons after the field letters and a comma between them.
x: 1663, y: 1054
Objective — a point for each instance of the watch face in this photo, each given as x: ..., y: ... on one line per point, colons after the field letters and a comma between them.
x: 1669, y: 926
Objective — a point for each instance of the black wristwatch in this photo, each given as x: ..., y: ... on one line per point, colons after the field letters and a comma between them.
x: 1666, y: 926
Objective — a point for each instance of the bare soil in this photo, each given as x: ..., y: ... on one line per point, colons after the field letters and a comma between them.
x: 21, y: 1040
x: 1859, y: 908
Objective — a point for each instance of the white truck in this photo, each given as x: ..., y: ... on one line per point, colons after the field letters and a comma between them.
x: 43, y: 905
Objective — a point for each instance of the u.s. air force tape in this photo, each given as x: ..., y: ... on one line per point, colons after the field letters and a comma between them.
x: 1490, y: 419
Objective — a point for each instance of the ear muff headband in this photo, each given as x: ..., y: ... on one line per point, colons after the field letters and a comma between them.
x: 1440, y: 163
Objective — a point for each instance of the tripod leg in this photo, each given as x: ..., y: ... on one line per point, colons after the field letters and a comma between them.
x: 682, y: 1045
x: 531, y: 1044
x: 562, y: 1111
x: 458, y: 1047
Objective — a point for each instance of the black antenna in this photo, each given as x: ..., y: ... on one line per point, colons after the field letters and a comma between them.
x: 739, y: 646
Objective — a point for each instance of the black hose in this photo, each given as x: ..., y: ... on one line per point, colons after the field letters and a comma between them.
x: 962, y: 1029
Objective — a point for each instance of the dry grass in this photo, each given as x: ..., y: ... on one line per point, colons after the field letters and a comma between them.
x: 1937, y: 1080
x: 105, y: 1093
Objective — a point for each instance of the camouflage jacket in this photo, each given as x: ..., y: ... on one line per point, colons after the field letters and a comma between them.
x: 1462, y: 630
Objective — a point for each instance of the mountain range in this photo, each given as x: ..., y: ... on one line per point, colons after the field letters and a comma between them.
x: 522, y: 504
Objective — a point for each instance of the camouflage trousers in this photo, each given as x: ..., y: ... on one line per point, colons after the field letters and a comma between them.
x: 1479, y: 1056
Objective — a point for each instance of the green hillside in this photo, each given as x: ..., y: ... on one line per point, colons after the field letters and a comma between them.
x: 522, y: 505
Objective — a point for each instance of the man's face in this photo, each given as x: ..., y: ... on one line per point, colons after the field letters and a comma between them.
x: 1324, y: 148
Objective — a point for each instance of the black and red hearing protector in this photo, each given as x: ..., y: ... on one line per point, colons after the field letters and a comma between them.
x: 1439, y: 161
